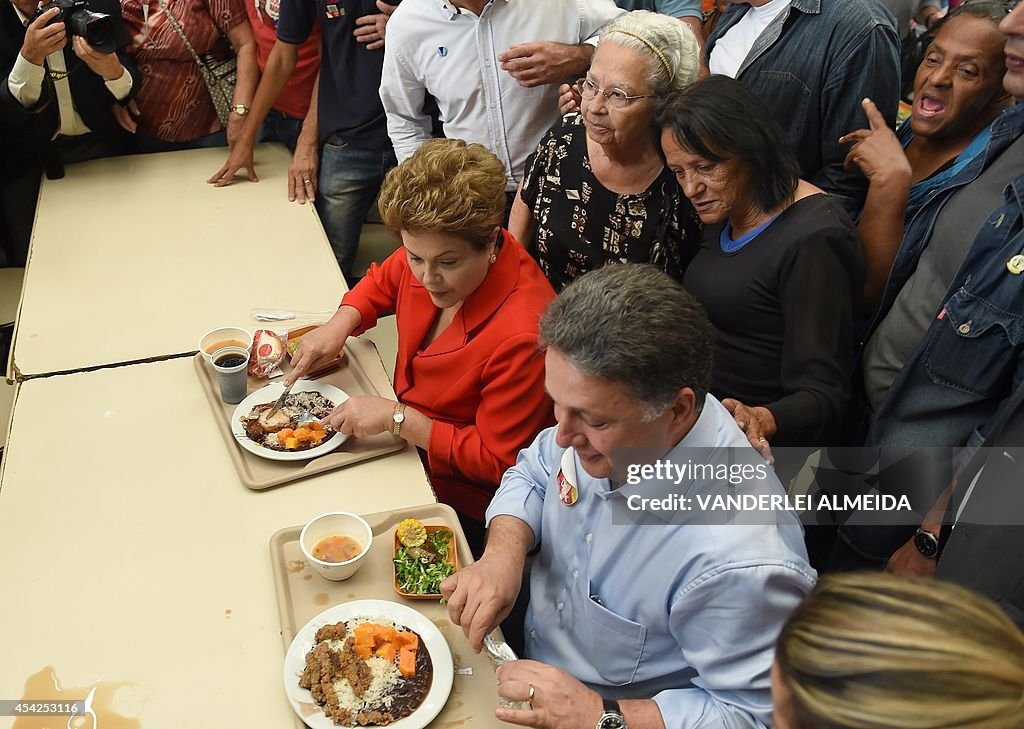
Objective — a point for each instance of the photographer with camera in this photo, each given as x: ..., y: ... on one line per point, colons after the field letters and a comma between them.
x: 63, y: 68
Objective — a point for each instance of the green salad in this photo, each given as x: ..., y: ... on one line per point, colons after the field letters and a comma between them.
x: 422, y: 569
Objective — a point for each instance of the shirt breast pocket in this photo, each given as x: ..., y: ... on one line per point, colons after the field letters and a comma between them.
x: 792, y: 96
x: 975, y: 345
x: 618, y: 640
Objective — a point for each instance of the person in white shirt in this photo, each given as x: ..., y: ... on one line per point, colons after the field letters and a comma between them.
x: 492, y: 65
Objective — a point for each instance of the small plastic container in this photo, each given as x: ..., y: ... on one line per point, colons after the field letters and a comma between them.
x: 230, y: 364
x: 453, y: 560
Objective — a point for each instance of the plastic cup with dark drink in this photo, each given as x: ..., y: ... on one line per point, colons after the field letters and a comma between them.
x: 230, y: 365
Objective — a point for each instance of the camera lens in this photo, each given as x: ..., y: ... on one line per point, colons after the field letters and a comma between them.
x: 96, y: 28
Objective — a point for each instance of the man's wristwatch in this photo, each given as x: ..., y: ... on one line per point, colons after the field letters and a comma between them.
x: 612, y: 717
x: 398, y: 417
x: 927, y: 543
x: 240, y: 109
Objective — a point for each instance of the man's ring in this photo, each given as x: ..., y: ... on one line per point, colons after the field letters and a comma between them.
x: 307, y: 182
x: 762, y: 439
x: 529, y: 699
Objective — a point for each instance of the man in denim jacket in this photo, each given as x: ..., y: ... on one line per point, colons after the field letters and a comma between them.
x: 970, y: 360
x: 809, y: 63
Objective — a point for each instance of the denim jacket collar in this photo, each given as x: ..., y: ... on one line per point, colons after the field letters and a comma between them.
x: 1005, y: 129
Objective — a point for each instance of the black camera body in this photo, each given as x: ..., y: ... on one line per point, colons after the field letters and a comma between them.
x: 79, y: 19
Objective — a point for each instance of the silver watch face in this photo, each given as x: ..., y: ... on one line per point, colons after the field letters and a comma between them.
x: 611, y: 720
x: 399, y: 417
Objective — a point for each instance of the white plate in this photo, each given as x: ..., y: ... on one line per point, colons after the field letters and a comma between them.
x: 269, y: 394
x: 440, y: 656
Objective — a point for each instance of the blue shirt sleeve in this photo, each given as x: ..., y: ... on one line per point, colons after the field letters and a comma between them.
x: 295, y: 22
x: 523, y: 486
x: 726, y: 622
x: 675, y: 8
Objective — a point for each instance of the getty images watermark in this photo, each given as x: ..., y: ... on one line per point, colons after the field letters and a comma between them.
x: 736, y: 485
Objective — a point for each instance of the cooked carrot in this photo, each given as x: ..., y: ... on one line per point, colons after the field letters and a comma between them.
x: 284, y: 433
x: 387, y: 652
x: 407, y: 639
x: 407, y: 662
x: 315, y: 426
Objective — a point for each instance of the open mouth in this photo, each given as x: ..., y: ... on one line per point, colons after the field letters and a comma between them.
x: 1014, y: 63
x: 929, y: 106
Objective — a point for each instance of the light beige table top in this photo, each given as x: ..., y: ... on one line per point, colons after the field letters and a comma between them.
x: 136, y: 257
x: 131, y: 554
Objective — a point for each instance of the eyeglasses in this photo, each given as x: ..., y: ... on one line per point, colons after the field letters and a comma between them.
x: 1011, y: 4
x: 615, y: 98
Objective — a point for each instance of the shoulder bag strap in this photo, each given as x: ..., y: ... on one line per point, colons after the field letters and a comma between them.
x: 181, y: 34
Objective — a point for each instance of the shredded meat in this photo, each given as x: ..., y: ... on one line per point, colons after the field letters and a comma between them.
x: 326, y: 666
x: 354, y: 669
x: 336, y: 631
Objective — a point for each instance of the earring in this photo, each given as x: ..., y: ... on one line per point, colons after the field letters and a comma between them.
x: 494, y: 257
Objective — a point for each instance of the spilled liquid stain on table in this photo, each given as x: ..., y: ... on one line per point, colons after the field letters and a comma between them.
x: 99, y: 710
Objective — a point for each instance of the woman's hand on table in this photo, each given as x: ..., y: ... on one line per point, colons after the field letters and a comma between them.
x: 757, y: 423
x: 481, y: 595
x: 240, y: 158
x: 559, y: 700
x: 363, y: 416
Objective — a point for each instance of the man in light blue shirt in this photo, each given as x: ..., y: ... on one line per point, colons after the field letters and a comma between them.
x: 636, y: 618
x: 688, y: 11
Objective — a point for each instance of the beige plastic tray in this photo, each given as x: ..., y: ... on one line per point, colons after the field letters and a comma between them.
x: 353, y: 377
x: 302, y: 594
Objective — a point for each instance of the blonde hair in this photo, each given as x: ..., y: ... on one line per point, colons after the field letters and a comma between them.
x: 669, y: 45
x: 446, y: 186
x: 875, y: 651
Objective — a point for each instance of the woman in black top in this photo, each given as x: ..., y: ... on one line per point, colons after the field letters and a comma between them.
x: 779, y: 268
x: 597, y: 191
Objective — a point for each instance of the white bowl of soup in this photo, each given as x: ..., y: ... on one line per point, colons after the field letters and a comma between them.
x: 336, y: 543
x: 224, y: 337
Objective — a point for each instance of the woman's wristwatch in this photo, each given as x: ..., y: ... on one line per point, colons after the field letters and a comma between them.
x: 397, y: 418
x: 612, y: 717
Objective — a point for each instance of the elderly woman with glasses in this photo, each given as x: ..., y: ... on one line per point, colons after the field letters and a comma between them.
x: 597, y: 190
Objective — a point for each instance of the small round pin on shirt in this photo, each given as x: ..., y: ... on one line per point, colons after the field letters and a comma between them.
x: 1016, y: 265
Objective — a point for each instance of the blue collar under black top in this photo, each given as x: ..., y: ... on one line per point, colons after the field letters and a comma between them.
x: 731, y: 246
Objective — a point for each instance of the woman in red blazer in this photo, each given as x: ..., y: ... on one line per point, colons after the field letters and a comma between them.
x: 467, y: 299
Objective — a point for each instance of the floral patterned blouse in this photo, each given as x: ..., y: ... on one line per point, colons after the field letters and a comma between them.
x: 581, y: 225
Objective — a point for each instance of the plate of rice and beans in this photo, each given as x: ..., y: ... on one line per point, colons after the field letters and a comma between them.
x: 285, y: 436
x: 368, y: 663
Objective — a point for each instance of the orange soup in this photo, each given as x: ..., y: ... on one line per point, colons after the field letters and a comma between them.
x: 226, y: 343
x: 337, y: 548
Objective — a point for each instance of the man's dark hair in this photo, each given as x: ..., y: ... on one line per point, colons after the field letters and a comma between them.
x: 634, y: 324
x: 720, y: 119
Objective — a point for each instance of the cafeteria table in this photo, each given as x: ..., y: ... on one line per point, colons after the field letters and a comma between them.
x: 132, y: 556
x: 133, y: 258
